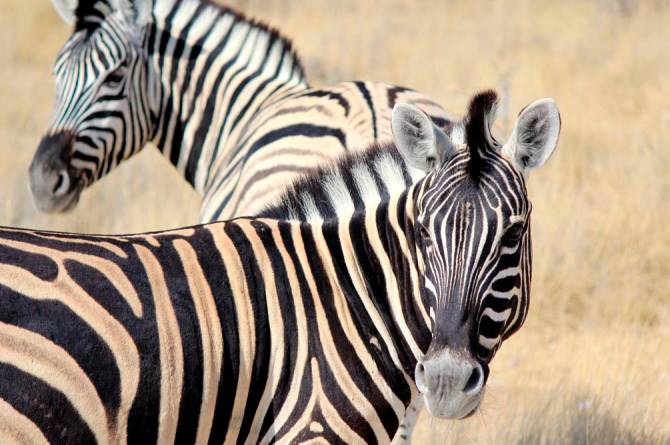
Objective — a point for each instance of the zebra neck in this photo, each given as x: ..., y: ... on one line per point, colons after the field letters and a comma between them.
x: 375, y: 262
x: 213, y: 70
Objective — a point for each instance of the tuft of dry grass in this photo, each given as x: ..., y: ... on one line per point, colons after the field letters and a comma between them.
x: 592, y: 365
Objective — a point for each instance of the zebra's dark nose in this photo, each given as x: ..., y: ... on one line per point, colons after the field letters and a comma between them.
x: 53, y: 184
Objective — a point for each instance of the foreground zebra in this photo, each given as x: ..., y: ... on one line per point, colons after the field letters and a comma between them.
x: 224, y: 99
x: 266, y: 330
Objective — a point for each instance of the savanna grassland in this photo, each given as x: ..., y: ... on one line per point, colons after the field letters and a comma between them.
x: 592, y: 364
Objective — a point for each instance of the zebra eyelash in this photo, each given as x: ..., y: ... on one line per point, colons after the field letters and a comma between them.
x: 116, y: 77
x: 513, y: 234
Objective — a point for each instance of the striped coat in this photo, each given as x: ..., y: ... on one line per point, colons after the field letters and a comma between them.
x: 275, y: 330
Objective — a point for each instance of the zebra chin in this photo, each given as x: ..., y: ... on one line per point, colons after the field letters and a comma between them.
x: 451, y: 383
x: 54, y: 185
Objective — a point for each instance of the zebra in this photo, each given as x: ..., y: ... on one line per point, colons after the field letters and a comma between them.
x: 264, y: 330
x: 371, y: 176
x: 223, y: 97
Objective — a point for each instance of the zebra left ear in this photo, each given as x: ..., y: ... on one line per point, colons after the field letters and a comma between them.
x: 535, y: 135
x: 66, y: 9
x: 136, y: 12
x: 422, y: 144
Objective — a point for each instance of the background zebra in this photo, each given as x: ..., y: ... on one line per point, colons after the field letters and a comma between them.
x: 261, y: 329
x: 224, y: 98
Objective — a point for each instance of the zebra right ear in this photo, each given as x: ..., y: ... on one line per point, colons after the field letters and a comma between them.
x: 66, y: 9
x: 421, y: 143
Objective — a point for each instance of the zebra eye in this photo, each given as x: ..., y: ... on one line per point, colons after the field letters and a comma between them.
x: 513, y: 234
x: 425, y: 239
x: 115, y: 77
x: 424, y: 233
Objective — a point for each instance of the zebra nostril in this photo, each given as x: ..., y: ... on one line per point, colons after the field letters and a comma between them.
x: 474, y: 382
x: 419, y: 377
x: 62, y: 183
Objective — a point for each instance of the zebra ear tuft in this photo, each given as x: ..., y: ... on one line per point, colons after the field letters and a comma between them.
x: 67, y: 10
x: 535, y: 135
x: 421, y: 143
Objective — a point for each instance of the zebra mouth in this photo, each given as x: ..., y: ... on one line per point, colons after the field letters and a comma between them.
x: 72, y: 202
x: 71, y: 198
x: 471, y: 413
x: 45, y: 198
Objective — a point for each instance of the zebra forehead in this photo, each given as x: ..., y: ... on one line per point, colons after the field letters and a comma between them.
x: 497, y: 184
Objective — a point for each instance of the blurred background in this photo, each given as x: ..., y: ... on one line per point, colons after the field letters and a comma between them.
x: 592, y: 364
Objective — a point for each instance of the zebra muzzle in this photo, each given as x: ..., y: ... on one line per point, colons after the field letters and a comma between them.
x: 54, y: 185
x: 451, y: 383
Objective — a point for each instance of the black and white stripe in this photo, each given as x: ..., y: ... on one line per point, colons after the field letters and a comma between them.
x: 259, y: 329
x: 223, y: 97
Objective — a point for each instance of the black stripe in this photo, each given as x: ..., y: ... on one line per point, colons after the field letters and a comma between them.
x: 57, y: 322
x: 217, y: 277
x: 306, y: 384
x: 330, y: 383
x: 307, y: 130
x: 189, y: 329
x: 37, y: 264
x: 49, y: 409
x: 289, y: 321
x: 258, y: 300
x: 339, y: 98
x: 371, y: 106
x: 205, y: 124
x: 366, y: 331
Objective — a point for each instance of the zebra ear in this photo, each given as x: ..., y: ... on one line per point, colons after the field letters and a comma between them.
x: 422, y: 144
x: 535, y: 135
x: 66, y: 9
x: 135, y: 12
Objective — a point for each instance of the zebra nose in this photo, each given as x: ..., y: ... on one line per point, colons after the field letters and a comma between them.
x: 52, y: 185
x: 449, y: 375
x: 451, y: 383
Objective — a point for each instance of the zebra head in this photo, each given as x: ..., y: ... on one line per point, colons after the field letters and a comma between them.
x: 102, y: 110
x: 472, y: 233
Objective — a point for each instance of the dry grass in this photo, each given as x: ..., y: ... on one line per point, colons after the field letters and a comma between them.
x: 592, y: 365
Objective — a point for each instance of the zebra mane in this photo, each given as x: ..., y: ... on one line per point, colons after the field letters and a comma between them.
x: 345, y: 186
x: 478, y: 137
x: 90, y: 13
x: 273, y: 32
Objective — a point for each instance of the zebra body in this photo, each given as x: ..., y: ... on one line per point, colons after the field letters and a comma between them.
x: 231, y: 332
x: 223, y: 98
x: 261, y: 330
x: 299, y: 132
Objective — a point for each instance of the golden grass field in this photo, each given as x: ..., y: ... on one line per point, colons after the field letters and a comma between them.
x: 592, y: 364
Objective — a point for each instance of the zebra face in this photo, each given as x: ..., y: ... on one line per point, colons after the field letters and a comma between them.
x: 473, y: 245
x: 102, y: 111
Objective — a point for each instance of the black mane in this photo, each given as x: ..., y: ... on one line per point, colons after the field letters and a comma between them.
x: 478, y: 137
x: 88, y: 16
x: 312, y: 185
